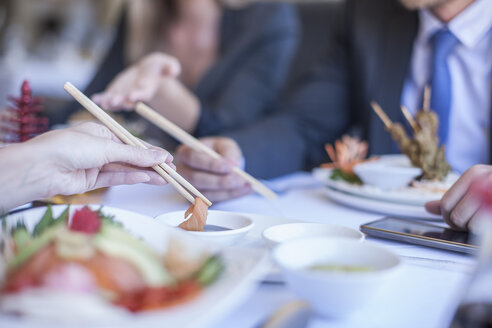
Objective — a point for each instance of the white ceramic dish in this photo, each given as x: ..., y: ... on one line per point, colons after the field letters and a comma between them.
x: 334, y: 294
x: 405, y: 195
x: 381, y: 207
x: 387, y: 174
x: 286, y: 232
x: 239, y: 224
x: 243, y: 267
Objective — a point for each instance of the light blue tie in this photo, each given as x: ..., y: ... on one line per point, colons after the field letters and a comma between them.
x: 443, y: 43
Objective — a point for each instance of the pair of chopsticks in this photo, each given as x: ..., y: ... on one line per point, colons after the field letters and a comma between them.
x: 195, y: 144
x: 164, y: 170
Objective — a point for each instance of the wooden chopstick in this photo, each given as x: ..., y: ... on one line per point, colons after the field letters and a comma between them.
x: 187, y: 139
x: 162, y: 169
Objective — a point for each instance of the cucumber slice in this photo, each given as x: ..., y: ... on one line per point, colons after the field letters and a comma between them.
x: 210, y: 271
x: 44, y: 223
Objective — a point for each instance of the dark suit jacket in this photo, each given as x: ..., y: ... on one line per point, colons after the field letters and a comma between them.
x: 257, y: 45
x: 370, y: 62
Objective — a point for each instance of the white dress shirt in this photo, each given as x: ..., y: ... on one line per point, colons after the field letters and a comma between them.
x: 470, y: 65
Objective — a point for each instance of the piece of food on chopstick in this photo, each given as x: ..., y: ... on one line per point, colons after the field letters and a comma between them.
x: 348, y: 152
x: 90, y: 258
x: 195, y: 216
x: 423, y: 149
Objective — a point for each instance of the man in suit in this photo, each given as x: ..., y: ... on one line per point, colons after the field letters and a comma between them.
x: 388, y: 50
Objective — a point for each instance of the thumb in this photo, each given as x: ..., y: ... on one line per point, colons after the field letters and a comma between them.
x: 433, y: 207
x: 136, y: 156
x: 171, y: 68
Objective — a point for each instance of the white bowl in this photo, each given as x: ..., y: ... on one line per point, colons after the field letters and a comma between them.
x: 334, y: 294
x: 387, y: 173
x: 239, y: 225
x: 291, y: 231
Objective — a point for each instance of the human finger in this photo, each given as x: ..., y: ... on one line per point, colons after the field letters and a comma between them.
x: 115, y: 152
x: 109, y: 179
x: 101, y: 131
x: 155, y: 178
x: 209, y: 181
x: 463, y: 211
x: 459, y: 189
x: 433, y: 207
x: 476, y: 222
x: 223, y: 195
x: 201, y: 161
x: 96, y: 130
x: 229, y: 149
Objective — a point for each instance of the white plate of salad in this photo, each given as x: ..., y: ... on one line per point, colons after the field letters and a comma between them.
x: 83, y: 266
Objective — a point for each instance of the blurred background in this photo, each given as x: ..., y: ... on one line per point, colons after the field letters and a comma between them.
x: 50, y: 42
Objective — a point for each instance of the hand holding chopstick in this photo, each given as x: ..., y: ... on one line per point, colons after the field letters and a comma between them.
x: 187, y: 139
x: 162, y: 169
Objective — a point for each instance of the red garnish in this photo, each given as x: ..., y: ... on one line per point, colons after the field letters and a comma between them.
x: 152, y: 298
x: 85, y: 220
x: 23, y: 120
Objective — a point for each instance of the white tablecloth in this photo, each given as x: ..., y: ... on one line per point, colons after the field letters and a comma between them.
x: 423, y: 294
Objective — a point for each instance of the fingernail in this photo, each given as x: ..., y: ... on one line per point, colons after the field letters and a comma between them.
x: 133, y: 97
x: 145, y: 177
x: 116, y: 101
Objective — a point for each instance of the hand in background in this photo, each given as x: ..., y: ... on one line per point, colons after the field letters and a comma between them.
x: 460, y: 206
x: 72, y: 161
x: 214, y: 178
x: 139, y: 82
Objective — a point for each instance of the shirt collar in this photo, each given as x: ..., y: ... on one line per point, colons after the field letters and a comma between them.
x: 470, y: 26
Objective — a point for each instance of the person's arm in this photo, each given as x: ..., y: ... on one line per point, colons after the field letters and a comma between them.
x: 257, y: 74
x: 72, y: 161
x: 292, y: 138
x: 289, y: 140
x: 139, y: 82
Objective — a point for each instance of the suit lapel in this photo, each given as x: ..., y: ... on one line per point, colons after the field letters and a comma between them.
x: 398, y: 32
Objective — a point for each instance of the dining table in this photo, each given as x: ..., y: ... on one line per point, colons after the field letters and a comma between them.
x: 424, y: 292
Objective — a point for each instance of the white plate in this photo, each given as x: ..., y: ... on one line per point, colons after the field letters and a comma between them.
x: 239, y: 278
x: 377, y: 206
x: 406, y: 195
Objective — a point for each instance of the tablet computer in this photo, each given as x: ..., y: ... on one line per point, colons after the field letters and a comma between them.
x: 422, y: 233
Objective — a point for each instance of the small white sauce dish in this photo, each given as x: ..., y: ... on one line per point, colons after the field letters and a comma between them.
x: 389, y: 172
x: 286, y: 232
x: 238, y: 224
x: 334, y: 294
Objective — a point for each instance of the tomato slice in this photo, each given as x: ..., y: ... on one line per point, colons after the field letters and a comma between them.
x: 85, y: 220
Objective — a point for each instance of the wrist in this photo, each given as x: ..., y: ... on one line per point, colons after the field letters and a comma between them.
x: 26, y: 178
x: 183, y: 108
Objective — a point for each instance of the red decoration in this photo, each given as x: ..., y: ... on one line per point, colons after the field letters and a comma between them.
x: 85, y: 220
x: 22, y: 121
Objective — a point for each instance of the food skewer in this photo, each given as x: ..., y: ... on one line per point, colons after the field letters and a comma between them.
x: 409, y: 118
x: 187, y: 139
x: 164, y: 170
x: 382, y: 115
x: 427, y: 97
